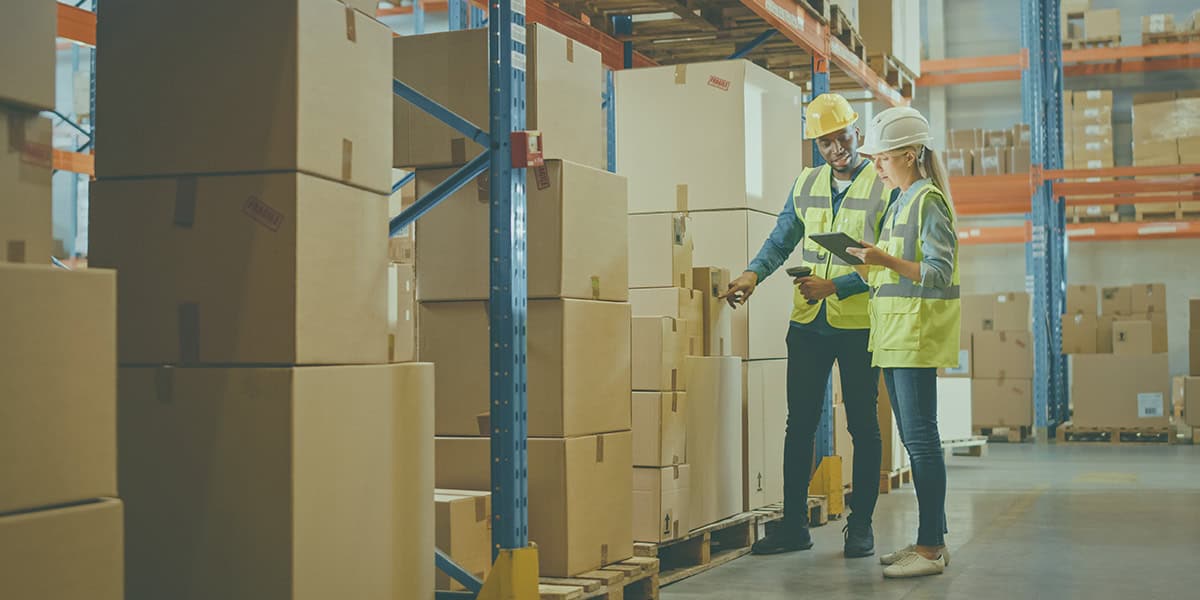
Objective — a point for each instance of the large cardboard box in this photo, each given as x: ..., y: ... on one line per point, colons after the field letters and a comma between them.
x: 1148, y: 298
x: 305, y: 462
x: 27, y: 54
x: 997, y: 138
x: 978, y: 314
x: 1079, y: 332
x: 708, y: 136
x: 1005, y: 402
x: 989, y: 161
x: 1022, y: 134
x: 965, y: 139
x: 660, y: 345
x: 1194, y: 352
x: 715, y: 416
x: 1133, y: 337
x: 659, y: 428
x: 661, y: 498
x: 563, y: 80
x: 25, y: 194
x: 1116, y: 301
x: 764, y: 414
x: 958, y: 163
x: 1083, y: 99
x: 712, y: 282
x: 312, y: 96
x: 1073, y: 7
x: 1158, y: 23
x: 684, y: 304
x: 1102, y: 24
x: 1194, y: 313
x: 1189, y: 148
x: 1155, y: 153
x: 1003, y: 355
x: 575, y: 246
x: 578, y: 366
x: 1191, y: 401
x: 281, y: 268
x: 464, y: 532
x: 1159, y: 334
x: 730, y: 240
x: 1081, y: 299
x: 58, y: 386
x: 580, y: 495
x: 1104, y: 333
x: 1019, y: 159
x: 402, y: 313
x: 1156, y: 121
x: 660, y: 251
x: 1120, y: 391
x: 68, y: 552
x: 1011, y: 311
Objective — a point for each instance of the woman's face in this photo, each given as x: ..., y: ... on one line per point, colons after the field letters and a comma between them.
x: 895, y: 167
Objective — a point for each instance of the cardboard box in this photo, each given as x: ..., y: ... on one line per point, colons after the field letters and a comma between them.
x: 1194, y: 313
x: 580, y: 495
x: 684, y: 304
x: 1189, y: 150
x: 965, y: 139
x: 1104, y: 333
x: 715, y: 416
x: 1191, y: 401
x: 1116, y: 300
x: 954, y: 409
x: 989, y: 161
x: 576, y: 247
x: 69, y: 552
x: 402, y: 313
x: 1011, y: 311
x: 1019, y: 160
x: 27, y: 54
x: 712, y: 282
x: 1022, y: 134
x: 1148, y: 298
x: 1004, y: 402
x: 1159, y: 332
x: 978, y: 314
x: 1079, y: 332
x: 304, y: 461
x: 463, y: 529
x: 1133, y: 337
x: 1081, y: 299
x: 1091, y: 122
x: 578, y: 366
x: 661, y: 499
x: 1155, y: 153
x: 764, y: 414
x: 997, y: 138
x: 1158, y: 23
x: 1155, y: 121
x: 307, y: 97
x: 744, y: 156
x: 58, y: 382
x: 1073, y: 7
x: 563, y: 80
x: 1120, y: 391
x: 659, y: 429
x: 280, y: 268
x: 1152, y: 97
x: 1102, y: 24
x: 958, y: 162
x: 1003, y: 355
x: 660, y: 251
x: 1087, y: 98
x: 1194, y: 351
x: 25, y: 171
x: 660, y: 345
x: 730, y: 240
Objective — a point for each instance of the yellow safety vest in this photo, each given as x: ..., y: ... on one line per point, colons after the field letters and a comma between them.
x: 858, y: 217
x: 912, y: 325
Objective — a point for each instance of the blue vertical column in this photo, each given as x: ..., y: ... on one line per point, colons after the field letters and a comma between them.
x: 623, y: 25
x: 824, y: 437
x: 1057, y: 235
x: 610, y: 120
x: 507, y: 298
x: 457, y: 11
x: 418, y: 17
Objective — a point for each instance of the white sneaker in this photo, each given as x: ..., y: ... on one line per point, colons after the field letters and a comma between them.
x: 915, y: 565
x: 891, y: 559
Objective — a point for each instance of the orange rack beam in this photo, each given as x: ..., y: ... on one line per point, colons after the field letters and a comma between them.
x: 74, y: 162
x: 1084, y: 232
x: 76, y: 24
x: 432, y: 6
x: 1076, y: 63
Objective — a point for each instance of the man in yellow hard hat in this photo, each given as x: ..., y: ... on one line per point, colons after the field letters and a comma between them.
x: 829, y: 322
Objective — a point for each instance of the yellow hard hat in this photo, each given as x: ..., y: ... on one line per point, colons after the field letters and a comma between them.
x: 826, y: 114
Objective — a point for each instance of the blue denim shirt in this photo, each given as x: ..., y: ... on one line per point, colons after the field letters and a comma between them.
x: 788, y: 232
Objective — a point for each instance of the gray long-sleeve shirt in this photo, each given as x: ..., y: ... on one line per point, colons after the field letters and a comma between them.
x: 939, y: 240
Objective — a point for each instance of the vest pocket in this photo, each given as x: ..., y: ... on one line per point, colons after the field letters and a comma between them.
x: 897, y: 325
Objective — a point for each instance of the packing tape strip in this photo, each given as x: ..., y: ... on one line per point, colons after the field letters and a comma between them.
x: 347, y: 159
x: 680, y: 74
x: 603, y: 554
x: 189, y: 333
x: 185, y: 202
x: 570, y: 50
x: 675, y: 402
x: 600, y: 448
x: 351, y: 31
x: 681, y: 198
x: 595, y: 287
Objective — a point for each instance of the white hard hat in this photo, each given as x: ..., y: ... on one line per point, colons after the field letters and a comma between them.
x: 895, y: 128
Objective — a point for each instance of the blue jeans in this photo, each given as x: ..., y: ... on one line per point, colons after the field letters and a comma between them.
x: 914, y: 403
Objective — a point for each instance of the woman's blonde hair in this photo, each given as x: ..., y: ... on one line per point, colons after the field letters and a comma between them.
x: 929, y: 165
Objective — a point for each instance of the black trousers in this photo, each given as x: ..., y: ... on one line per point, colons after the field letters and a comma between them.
x: 810, y: 361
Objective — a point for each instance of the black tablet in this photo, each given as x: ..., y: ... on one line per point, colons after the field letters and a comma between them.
x: 837, y: 243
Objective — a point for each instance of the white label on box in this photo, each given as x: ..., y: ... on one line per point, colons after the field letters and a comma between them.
x: 1093, y: 130
x: 1158, y: 23
x: 518, y: 33
x: 1091, y: 112
x: 518, y: 7
x: 1150, y: 405
x: 1093, y: 211
x: 518, y: 61
x: 1092, y: 146
x: 1093, y: 94
x: 1095, y: 164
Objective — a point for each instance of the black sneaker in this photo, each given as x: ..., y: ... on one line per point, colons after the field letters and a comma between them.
x: 780, y: 541
x: 860, y: 540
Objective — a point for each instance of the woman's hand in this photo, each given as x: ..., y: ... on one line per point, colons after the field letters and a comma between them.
x: 870, y: 254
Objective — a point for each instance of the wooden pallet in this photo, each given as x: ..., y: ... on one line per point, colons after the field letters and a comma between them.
x: 703, y: 549
x: 843, y: 29
x: 1189, y: 211
x: 889, y: 481
x: 819, y: 9
x: 818, y: 513
x: 1104, y: 42
x: 1157, y: 211
x: 893, y: 71
x: 1107, y: 217
x: 1069, y: 433
x: 1005, y: 433
x: 1169, y: 37
x: 631, y: 579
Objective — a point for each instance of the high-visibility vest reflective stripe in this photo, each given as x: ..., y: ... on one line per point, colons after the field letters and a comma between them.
x: 859, y: 215
x: 912, y: 325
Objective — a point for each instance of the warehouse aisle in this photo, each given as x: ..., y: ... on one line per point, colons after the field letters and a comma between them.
x: 1097, y: 522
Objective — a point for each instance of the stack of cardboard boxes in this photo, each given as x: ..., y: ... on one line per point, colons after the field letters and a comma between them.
x: 996, y: 354
x: 1166, y: 131
x: 988, y: 151
x: 714, y: 192
x: 255, y: 391
x: 1187, y: 396
x: 60, y: 522
x: 1120, y: 369
x: 580, y: 448
x: 1088, y: 144
x: 1082, y: 24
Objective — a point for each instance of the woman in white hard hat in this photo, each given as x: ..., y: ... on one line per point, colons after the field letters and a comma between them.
x: 914, y: 312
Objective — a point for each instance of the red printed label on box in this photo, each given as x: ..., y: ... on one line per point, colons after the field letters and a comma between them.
x: 720, y: 84
x: 262, y: 213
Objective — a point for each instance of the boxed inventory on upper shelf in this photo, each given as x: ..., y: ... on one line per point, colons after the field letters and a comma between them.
x: 988, y: 151
x: 1087, y: 332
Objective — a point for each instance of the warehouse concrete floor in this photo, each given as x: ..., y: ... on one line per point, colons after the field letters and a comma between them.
x: 1026, y: 521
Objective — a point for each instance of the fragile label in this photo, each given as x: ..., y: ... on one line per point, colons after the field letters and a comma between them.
x: 1150, y: 405
x: 720, y: 84
x: 262, y: 213
x: 1094, y: 94
x: 542, y: 177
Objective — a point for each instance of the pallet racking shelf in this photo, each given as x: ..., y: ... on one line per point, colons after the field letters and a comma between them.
x: 1081, y: 62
